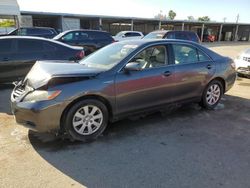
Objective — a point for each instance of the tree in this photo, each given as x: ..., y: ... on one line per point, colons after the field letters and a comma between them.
x: 171, y: 14
x: 7, y: 23
x: 161, y: 16
x: 204, y: 19
x: 190, y: 18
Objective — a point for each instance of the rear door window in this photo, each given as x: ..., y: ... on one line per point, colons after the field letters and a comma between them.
x: 81, y: 36
x: 29, y: 45
x: 22, y: 32
x: 185, y: 54
x: 99, y: 35
x: 38, y: 31
x: 76, y: 36
x: 181, y: 35
x: 170, y: 35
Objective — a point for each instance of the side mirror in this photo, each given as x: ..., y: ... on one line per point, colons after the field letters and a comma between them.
x: 123, y: 36
x: 133, y: 66
x: 62, y: 39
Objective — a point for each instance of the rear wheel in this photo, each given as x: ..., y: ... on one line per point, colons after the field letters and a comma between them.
x: 212, y: 94
x: 86, y: 120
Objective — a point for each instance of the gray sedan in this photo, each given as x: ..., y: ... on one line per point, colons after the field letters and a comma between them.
x: 119, y: 80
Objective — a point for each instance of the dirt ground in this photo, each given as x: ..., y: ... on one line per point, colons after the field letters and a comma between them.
x: 188, y: 147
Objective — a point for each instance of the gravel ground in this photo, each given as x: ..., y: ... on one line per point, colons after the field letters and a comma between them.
x: 187, y: 147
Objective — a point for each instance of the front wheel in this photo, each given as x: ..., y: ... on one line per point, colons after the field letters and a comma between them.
x: 86, y: 120
x: 212, y: 95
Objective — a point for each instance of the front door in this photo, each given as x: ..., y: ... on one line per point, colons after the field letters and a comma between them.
x: 151, y: 85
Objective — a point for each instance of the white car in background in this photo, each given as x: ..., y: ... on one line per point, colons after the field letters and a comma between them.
x: 128, y: 35
x: 242, y: 63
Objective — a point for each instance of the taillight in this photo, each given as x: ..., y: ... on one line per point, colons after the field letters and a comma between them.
x: 80, y: 55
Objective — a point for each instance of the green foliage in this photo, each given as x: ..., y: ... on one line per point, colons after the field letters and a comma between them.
x: 190, y: 18
x: 204, y: 19
x: 7, y: 23
x: 171, y: 14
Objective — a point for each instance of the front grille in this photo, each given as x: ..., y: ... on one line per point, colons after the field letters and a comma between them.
x: 19, y: 91
x: 246, y: 59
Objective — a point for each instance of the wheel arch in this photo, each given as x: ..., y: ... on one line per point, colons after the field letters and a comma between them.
x: 94, y: 97
x: 223, y: 82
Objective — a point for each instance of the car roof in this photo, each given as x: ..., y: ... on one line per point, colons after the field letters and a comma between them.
x: 39, y: 38
x: 144, y: 41
x: 130, y: 31
x: 37, y: 27
x: 177, y: 31
x: 89, y: 30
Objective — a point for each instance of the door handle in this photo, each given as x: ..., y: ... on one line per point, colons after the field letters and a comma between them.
x: 209, y: 66
x: 167, y: 73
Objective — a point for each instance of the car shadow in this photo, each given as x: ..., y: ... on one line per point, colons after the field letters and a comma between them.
x: 160, y: 150
x: 5, y: 92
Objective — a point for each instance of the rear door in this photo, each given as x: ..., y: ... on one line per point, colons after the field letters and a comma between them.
x: 193, y: 70
x: 7, y: 60
x: 27, y: 53
x: 148, y: 87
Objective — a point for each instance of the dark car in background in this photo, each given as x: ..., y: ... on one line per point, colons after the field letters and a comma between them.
x: 18, y: 54
x: 91, y: 40
x: 165, y: 34
x: 119, y: 80
x: 45, y: 32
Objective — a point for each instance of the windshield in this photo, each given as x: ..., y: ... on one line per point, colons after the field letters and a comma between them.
x: 109, y: 56
x: 155, y: 35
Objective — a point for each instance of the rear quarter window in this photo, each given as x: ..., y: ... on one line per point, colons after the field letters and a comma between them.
x: 181, y: 35
x: 49, y: 46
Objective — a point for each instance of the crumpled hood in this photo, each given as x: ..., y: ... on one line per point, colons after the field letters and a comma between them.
x: 43, y: 71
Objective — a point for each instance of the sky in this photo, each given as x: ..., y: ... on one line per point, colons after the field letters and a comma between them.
x: 217, y: 10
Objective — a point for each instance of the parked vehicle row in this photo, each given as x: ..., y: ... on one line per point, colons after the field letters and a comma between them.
x: 164, y: 34
x: 128, y: 35
x: 91, y: 40
x: 46, y: 32
x: 19, y: 54
x: 124, y: 78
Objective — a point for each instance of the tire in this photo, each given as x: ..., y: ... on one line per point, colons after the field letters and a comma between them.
x: 212, y: 94
x: 86, y: 120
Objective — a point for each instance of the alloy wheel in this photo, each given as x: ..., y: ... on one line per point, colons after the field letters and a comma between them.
x: 87, y: 120
x: 213, y: 94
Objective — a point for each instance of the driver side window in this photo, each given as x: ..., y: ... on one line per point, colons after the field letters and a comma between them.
x: 151, y: 57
